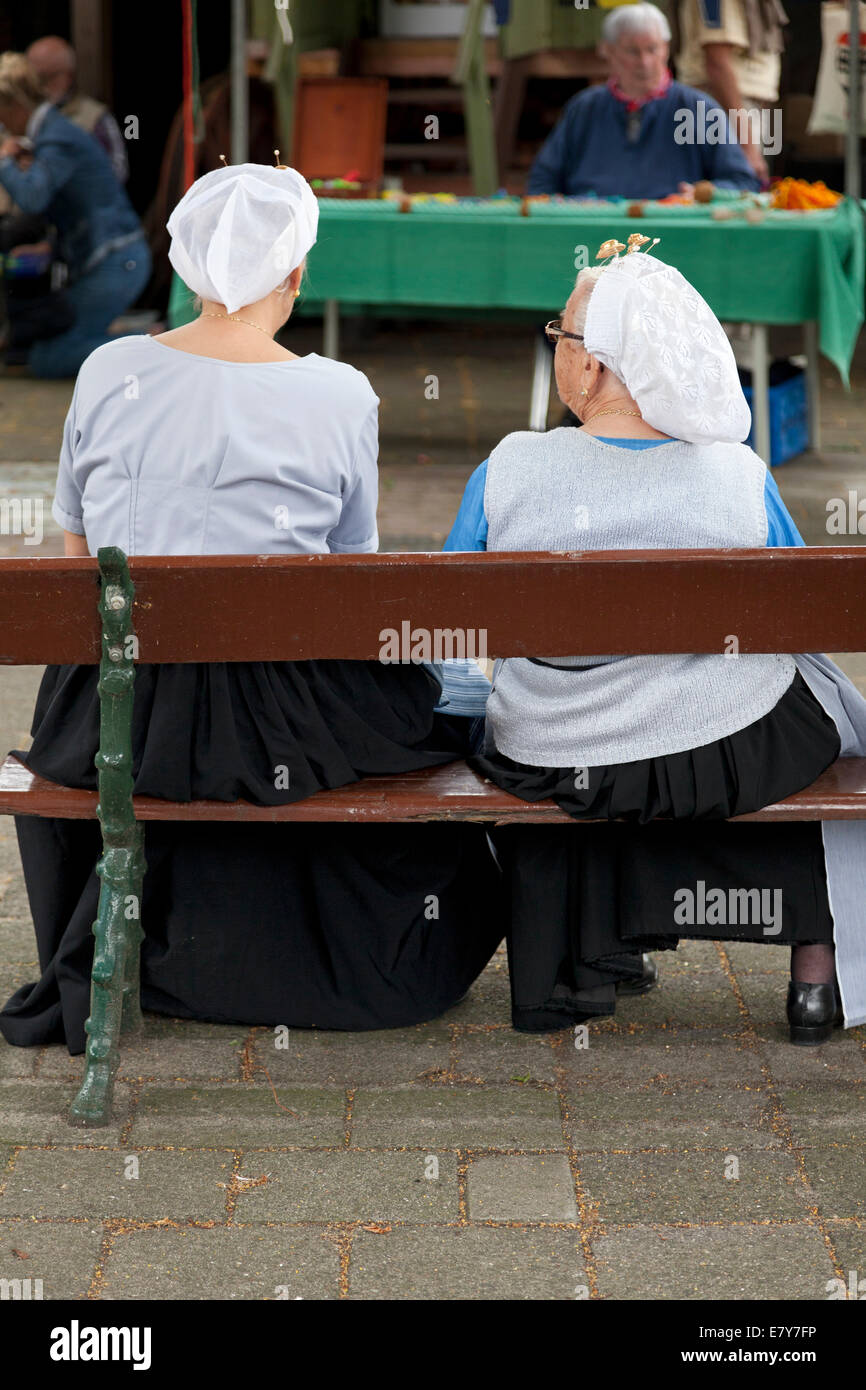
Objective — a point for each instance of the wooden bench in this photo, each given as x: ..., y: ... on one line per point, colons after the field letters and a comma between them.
x: 271, y: 608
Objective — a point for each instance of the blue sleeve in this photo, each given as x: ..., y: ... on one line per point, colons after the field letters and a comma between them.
x: 469, y: 531
x: 780, y: 524
x: 33, y: 189
x: 726, y: 166
x: 550, y: 167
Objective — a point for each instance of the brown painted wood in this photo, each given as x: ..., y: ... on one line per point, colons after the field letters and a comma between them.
x: 275, y: 608
x: 453, y: 793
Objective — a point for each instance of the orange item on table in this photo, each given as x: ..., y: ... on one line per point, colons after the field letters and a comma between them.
x: 800, y: 195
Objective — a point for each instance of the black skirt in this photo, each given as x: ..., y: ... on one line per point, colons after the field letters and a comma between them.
x: 312, y: 926
x: 584, y: 903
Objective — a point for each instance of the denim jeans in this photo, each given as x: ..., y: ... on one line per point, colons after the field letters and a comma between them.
x: 97, y: 298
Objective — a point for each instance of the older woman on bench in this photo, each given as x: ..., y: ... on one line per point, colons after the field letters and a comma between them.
x: 670, y: 746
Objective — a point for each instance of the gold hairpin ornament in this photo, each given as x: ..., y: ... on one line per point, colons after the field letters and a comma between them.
x: 225, y: 161
x: 610, y: 250
x: 278, y: 165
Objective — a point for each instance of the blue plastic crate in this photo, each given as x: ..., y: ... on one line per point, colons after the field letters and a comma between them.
x: 789, y: 411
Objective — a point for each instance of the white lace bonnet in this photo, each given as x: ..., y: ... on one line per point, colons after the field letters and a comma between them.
x: 660, y: 337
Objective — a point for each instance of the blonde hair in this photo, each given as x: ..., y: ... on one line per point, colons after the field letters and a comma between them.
x: 19, y: 84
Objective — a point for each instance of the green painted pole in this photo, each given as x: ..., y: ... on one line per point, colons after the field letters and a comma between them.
x: 471, y: 73
x: 114, y: 990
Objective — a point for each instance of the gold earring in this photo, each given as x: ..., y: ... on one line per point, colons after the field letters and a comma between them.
x: 295, y: 293
x: 584, y: 391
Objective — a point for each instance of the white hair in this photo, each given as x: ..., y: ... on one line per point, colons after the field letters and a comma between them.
x: 585, y: 284
x: 634, y: 19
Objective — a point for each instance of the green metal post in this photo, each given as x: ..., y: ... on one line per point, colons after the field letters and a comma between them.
x: 114, y: 991
x: 471, y: 73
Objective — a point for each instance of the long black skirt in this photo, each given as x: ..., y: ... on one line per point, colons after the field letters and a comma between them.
x: 585, y: 902
x: 312, y: 926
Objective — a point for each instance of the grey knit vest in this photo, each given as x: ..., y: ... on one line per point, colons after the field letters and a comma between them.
x: 564, y: 490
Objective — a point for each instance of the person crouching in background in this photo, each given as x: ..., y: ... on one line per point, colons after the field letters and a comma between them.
x: 49, y: 166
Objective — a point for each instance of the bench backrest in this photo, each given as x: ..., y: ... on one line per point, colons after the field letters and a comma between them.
x: 276, y: 608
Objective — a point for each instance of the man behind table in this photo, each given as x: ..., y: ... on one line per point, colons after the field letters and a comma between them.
x: 619, y: 139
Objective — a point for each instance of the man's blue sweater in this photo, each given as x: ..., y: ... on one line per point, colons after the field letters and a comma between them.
x: 589, y: 150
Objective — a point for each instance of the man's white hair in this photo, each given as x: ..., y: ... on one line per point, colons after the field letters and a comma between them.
x: 635, y: 19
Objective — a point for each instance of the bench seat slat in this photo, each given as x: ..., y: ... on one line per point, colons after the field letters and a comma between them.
x: 451, y: 793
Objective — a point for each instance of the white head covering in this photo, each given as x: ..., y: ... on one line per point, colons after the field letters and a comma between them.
x: 238, y: 232
x: 654, y: 331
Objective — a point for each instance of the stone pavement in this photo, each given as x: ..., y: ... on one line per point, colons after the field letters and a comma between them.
x: 687, y: 1152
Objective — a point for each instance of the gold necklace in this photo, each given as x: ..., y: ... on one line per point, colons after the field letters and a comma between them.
x: 614, y: 412
x: 236, y: 318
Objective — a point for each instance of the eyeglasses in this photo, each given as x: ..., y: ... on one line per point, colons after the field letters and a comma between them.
x: 555, y: 331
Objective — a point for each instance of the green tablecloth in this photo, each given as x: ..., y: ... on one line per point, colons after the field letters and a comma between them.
x: 789, y: 268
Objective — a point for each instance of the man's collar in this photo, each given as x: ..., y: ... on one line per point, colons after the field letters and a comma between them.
x: 36, y: 119
x: 631, y: 103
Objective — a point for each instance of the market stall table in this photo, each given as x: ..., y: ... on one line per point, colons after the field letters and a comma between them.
x: 487, y: 254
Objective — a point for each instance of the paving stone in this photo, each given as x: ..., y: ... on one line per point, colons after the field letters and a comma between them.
x: 667, y: 1114
x: 764, y: 995
x: 17, y: 941
x: 239, y: 1116
x: 503, y: 1055
x: 66, y: 1182
x: 522, y: 1187
x: 703, y: 999
x: 62, y: 1254
x: 837, y: 1176
x: 35, y: 1112
x: 355, y: 1059
x: 473, y: 1263
x: 688, y: 957
x: 17, y: 1061
x: 488, y: 1001
x: 10, y: 859
x: 706, y: 1262
x: 177, y: 1048
x: 13, y: 901
x: 350, y: 1186
x: 849, y: 1243
x: 841, y: 1057
x: 698, y: 1055
x: 759, y: 957
x: 223, y: 1263
x: 483, y: 1117
x: 826, y: 1112
x: 693, y: 1187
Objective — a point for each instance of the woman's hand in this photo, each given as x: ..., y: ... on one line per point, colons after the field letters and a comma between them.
x: 10, y: 147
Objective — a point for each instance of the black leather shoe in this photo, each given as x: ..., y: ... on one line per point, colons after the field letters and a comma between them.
x: 643, y: 983
x: 813, y: 1012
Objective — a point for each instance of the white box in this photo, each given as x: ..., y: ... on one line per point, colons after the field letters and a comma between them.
x: 429, y: 20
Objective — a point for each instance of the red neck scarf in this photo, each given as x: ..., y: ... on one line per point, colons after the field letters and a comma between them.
x: 630, y: 103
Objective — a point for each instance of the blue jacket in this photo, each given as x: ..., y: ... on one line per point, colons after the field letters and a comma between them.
x: 72, y: 183
x: 589, y: 152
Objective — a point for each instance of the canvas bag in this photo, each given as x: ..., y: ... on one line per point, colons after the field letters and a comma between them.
x: 830, y: 107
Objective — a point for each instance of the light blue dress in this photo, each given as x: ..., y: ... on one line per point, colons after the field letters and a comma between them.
x: 167, y: 453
